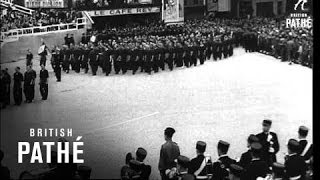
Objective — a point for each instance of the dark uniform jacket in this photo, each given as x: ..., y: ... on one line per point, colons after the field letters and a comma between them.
x: 168, y: 153
x: 308, y: 152
x: 274, y: 143
x: 295, y: 166
x: 195, y: 165
x: 44, y: 75
x: 245, y: 159
x: 29, y: 78
x: 256, y: 168
x: 220, y: 168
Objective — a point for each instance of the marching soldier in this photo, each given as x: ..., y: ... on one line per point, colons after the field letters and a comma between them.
x: 269, y: 142
x: 17, y: 86
x: 56, y: 60
x: 221, y: 167
x: 116, y: 60
x: 194, y: 52
x: 198, y: 165
x: 186, y: 56
x: 29, y: 82
x: 124, y: 64
x: 148, y: 61
x: 155, y: 54
x: 77, y: 58
x: 246, y: 157
x: 85, y: 58
x: 44, y: 75
x: 168, y: 153
x: 93, y: 60
x: 295, y: 166
x: 201, y: 53
x: 108, y: 61
x: 29, y: 58
x: 162, y: 58
x: 66, y: 60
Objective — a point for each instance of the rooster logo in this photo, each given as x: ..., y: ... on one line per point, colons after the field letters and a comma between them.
x: 302, y: 2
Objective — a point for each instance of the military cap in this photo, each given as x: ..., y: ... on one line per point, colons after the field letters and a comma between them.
x: 183, y: 161
x: 169, y: 131
x: 236, y: 170
x: 303, y: 130
x: 266, y: 122
x: 253, y: 138
x: 223, y: 145
x: 278, y: 169
x: 201, y: 146
x: 256, y: 147
x: 141, y: 153
x: 293, y: 145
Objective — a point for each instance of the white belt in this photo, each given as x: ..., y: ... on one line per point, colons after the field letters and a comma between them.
x: 201, y: 177
x: 295, y: 178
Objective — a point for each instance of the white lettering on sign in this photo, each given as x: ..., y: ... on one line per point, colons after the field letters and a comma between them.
x: 114, y: 12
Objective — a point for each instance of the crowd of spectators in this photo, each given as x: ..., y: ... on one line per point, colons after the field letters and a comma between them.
x: 13, y: 19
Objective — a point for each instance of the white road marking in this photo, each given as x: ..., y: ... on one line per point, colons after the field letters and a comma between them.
x: 121, y: 123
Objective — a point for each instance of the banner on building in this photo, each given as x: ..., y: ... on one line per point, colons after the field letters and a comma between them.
x: 224, y: 5
x: 173, y: 11
x: 46, y: 3
x: 124, y: 11
x: 212, y: 5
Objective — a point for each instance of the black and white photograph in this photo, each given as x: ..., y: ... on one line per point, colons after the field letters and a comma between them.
x: 157, y: 89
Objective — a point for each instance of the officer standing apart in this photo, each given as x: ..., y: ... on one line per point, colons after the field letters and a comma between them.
x: 17, y: 86
x: 168, y: 153
x: 269, y: 142
x: 44, y: 75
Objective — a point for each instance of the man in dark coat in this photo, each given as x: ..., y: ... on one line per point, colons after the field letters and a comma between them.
x: 257, y: 167
x: 168, y: 153
x: 295, y: 166
x: 29, y: 83
x: 44, y: 75
x: 93, y: 60
x: 220, y: 168
x: 269, y: 142
x: 17, y: 86
x: 246, y: 157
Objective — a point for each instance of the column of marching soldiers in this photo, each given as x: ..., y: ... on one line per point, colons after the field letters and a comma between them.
x: 258, y: 163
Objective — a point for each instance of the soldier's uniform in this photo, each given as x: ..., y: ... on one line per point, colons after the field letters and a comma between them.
x: 182, y: 172
x: 201, y: 53
x: 221, y: 167
x: 306, y: 148
x: 186, y: 56
x: 270, y: 144
x: 29, y: 83
x: 168, y: 153
x: 6, y: 82
x: 295, y: 165
x: 246, y: 157
x: 44, y: 75
x: 17, y: 87
x: 257, y: 167
x: 155, y: 60
x: 77, y: 56
x: 197, y: 165
x: 93, y: 61
x: 56, y: 63
x: 162, y: 58
x: 236, y: 171
x: 148, y: 63
x: 66, y: 60
x: 85, y: 59
x: 108, y: 63
x: 194, y: 52
x: 116, y: 60
x: 170, y: 58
